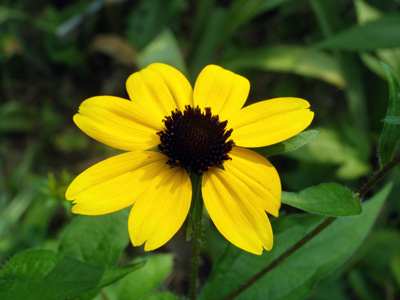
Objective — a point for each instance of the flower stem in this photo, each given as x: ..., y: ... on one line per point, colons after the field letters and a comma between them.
x: 198, y: 217
x: 378, y: 176
x: 361, y: 193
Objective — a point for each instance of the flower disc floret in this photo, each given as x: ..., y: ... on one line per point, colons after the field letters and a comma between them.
x: 194, y: 140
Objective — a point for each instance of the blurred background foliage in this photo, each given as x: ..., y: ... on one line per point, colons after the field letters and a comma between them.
x: 55, y: 54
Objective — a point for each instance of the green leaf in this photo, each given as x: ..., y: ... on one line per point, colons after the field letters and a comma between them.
x: 390, y: 135
x: 392, y: 120
x: 17, y: 118
x: 292, y: 59
x: 97, y: 240
x: 242, y: 11
x: 209, y: 41
x: 382, y: 245
x: 291, y: 144
x: 328, y: 199
x: 48, y: 275
x: 165, y: 49
x: 395, y: 267
x: 347, y: 149
x: 367, y: 13
x: 146, y: 280
x: 295, y: 277
x: 373, y: 63
x: 148, y: 18
x: 359, y: 286
x: 160, y: 296
x: 330, y: 21
x: 382, y: 33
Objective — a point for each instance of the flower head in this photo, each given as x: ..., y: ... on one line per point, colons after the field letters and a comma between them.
x: 169, y: 131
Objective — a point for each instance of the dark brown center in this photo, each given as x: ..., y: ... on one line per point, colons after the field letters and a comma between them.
x: 194, y: 140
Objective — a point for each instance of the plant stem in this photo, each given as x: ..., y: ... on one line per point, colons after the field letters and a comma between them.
x: 378, y: 176
x: 198, y: 217
x: 361, y: 193
x: 282, y: 257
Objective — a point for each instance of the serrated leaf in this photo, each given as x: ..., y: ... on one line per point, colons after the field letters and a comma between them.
x: 328, y: 199
x: 144, y: 281
x: 390, y: 135
x: 291, y: 144
x: 382, y: 33
x: 48, y: 275
x: 292, y: 59
x: 97, y: 240
x: 295, y: 277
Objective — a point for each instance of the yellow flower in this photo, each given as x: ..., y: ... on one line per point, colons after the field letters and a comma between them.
x: 171, y: 130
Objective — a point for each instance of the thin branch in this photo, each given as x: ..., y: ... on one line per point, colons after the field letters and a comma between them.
x: 378, y: 176
x: 361, y: 193
x: 282, y: 257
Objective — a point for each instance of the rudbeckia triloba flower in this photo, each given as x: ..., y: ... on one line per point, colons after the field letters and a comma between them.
x: 169, y: 131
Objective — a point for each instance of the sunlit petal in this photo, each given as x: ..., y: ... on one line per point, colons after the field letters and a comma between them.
x: 159, y: 214
x: 118, y: 123
x: 114, y: 183
x: 231, y: 206
x: 222, y: 90
x: 258, y: 174
x: 270, y: 121
x: 161, y: 88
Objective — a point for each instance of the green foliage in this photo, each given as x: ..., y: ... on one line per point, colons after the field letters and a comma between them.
x: 44, y: 274
x: 290, y: 59
x: 328, y: 199
x: 150, y: 18
x: 295, y: 277
x: 395, y: 267
x: 339, y: 55
x: 160, y: 296
x: 291, y: 144
x: 391, y: 132
x: 382, y: 33
x: 392, y: 120
x: 349, y: 151
x: 15, y: 118
x: 242, y: 11
x: 141, y: 284
x: 97, y: 240
x: 163, y: 48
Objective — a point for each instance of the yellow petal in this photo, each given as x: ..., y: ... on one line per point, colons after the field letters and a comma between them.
x: 161, y: 88
x: 231, y: 206
x: 258, y: 174
x: 118, y: 123
x: 159, y: 214
x: 222, y: 90
x: 114, y: 183
x: 270, y: 121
